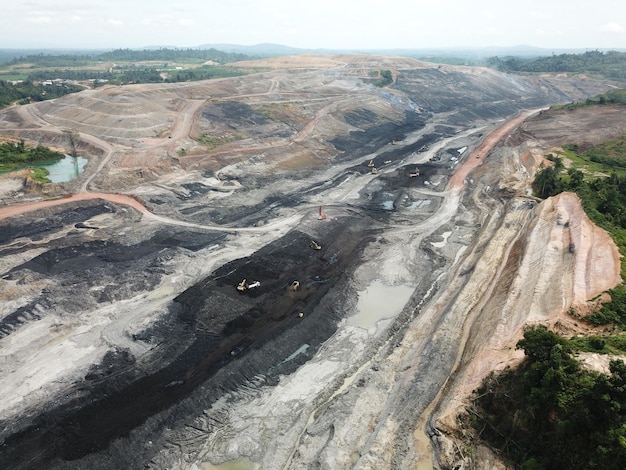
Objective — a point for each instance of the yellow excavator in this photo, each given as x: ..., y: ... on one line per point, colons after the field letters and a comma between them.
x: 371, y: 163
x: 243, y: 285
x: 315, y: 246
x: 374, y: 171
x: 295, y: 285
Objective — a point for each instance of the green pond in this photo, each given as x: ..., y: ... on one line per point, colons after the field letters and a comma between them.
x: 62, y: 170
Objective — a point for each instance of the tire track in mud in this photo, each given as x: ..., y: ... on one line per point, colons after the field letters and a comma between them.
x: 122, y: 199
x: 431, y: 349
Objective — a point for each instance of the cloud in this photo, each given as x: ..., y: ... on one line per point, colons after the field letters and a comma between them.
x: 40, y: 19
x: 185, y: 22
x: 612, y: 28
x: 539, y: 15
x: 115, y: 22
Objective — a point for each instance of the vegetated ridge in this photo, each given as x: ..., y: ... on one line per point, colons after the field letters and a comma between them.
x: 551, y: 411
x: 610, y: 64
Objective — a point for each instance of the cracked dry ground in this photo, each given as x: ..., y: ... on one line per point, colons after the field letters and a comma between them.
x: 125, y: 344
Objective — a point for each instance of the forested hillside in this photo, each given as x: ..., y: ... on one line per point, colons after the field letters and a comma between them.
x: 124, y: 55
x: 611, y: 65
x: 27, y: 91
x: 550, y: 413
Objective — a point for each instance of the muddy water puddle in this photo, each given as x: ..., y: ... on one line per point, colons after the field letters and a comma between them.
x: 239, y: 464
x: 377, y: 303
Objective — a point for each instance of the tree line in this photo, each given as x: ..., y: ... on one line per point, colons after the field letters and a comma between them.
x: 15, y: 155
x: 27, y: 91
x: 138, y: 74
x: 550, y: 413
x: 129, y: 55
x: 165, y: 54
x: 611, y: 64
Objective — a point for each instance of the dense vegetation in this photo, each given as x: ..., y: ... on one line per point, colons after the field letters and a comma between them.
x: 386, y: 78
x: 611, y: 65
x: 123, y: 75
x: 28, y: 91
x: 17, y: 155
x: 165, y: 54
x: 552, y: 414
x: 118, y: 67
x: 129, y: 55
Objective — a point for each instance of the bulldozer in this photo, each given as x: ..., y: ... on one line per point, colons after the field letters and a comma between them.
x: 315, y: 245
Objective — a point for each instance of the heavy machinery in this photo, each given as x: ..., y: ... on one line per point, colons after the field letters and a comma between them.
x: 243, y: 285
x: 415, y: 172
x: 315, y: 246
x: 371, y: 163
x: 321, y: 216
x: 295, y: 285
x: 374, y: 171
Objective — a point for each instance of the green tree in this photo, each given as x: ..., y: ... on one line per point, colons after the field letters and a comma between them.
x: 576, y: 178
x: 547, y: 182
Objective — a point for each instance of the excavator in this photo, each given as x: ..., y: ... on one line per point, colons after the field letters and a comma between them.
x: 315, y: 246
x: 374, y: 171
x: 371, y: 163
x: 243, y: 285
x: 321, y: 216
x: 295, y: 285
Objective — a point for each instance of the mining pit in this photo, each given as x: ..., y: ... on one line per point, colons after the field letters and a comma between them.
x: 288, y: 269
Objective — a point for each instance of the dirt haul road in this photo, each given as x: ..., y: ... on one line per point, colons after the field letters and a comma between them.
x: 153, y: 358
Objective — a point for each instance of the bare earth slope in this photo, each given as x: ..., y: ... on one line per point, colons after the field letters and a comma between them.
x: 125, y: 344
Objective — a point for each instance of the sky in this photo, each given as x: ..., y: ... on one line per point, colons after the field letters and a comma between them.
x: 319, y: 24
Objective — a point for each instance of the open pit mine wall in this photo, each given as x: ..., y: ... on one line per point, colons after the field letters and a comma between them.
x: 542, y: 259
x: 211, y: 331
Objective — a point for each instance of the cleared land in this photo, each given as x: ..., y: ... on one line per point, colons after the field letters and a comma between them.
x: 125, y: 343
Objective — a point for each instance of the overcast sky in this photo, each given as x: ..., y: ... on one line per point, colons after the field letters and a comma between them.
x: 339, y: 24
